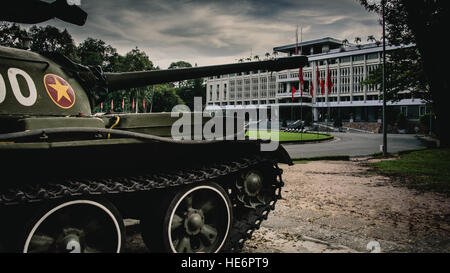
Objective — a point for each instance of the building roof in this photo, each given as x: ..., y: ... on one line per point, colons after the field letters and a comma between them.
x: 317, y: 42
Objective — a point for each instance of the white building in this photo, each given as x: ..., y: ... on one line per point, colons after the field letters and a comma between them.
x: 348, y: 65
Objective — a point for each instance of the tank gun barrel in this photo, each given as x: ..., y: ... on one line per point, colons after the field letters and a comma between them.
x: 115, y: 81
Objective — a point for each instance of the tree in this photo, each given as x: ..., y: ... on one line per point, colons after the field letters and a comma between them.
x: 11, y: 35
x: 256, y: 57
x: 51, y: 39
x: 136, y: 60
x: 423, y: 24
x: 181, y: 64
x: 196, y: 89
x: 371, y: 38
x: 165, y: 98
x: 267, y: 55
x: 96, y: 52
x: 357, y: 40
x: 345, y: 42
x: 404, y: 72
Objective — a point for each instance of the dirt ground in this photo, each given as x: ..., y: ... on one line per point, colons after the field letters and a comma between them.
x: 337, y: 206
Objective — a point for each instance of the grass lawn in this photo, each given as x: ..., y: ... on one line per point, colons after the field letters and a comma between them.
x: 427, y: 170
x: 285, y: 136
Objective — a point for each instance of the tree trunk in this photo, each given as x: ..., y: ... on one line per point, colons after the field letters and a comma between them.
x: 429, y: 30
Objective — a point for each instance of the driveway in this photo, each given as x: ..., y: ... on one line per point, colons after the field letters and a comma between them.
x: 354, y: 144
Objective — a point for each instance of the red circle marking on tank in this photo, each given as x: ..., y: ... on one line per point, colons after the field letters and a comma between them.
x: 59, y: 91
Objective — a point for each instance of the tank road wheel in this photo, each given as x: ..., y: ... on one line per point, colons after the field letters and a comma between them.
x: 76, y: 226
x: 197, y: 219
x: 252, y: 191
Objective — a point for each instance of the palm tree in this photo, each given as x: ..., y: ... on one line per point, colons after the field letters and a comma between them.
x: 248, y: 59
x: 267, y: 55
x: 256, y: 57
x: 241, y: 60
x: 275, y: 53
x: 371, y: 38
x: 345, y: 42
x: 357, y: 41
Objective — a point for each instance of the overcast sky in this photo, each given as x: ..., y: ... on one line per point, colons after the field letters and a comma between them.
x: 215, y: 32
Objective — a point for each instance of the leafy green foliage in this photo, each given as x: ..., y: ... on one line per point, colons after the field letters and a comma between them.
x: 11, y: 35
x: 165, y: 98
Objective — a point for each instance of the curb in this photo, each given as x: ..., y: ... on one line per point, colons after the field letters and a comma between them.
x: 326, y: 157
x: 308, y: 140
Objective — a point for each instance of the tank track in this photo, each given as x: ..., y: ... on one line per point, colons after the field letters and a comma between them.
x: 244, y: 225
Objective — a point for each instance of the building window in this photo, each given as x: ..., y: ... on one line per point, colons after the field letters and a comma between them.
x: 246, y: 88
x: 404, y: 110
x: 272, y: 86
x: 372, y: 56
x: 345, y: 80
x: 422, y: 110
x: 225, y: 91
x: 263, y: 87
x: 232, y: 90
x: 358, y: 58
x: 210, y: 93
x: 369, y: 70
x: 358, y: 76
x: 239, y: 88
x: 345, y: 59
x: 218, y: 92
x: 255, y: 86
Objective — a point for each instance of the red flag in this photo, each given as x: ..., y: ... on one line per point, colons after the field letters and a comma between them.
x: 329, y: 82
x: 143, y: 104
x: 101, y: 106
x: 112, y: 105
x: 312, y: 89
x: 123, y: 103
x: 293, y: 91
x: 133, y: 103
x: 322, y: 85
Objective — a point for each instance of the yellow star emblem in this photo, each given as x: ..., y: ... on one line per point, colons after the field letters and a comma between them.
x: 61, y: 90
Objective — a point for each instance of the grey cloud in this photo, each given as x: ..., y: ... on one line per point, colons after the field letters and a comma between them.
x: 206, y: 32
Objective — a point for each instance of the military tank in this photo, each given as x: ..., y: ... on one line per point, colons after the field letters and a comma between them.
x: 70, y: 177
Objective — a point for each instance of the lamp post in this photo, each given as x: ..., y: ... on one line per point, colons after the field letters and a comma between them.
x: 383, y: 2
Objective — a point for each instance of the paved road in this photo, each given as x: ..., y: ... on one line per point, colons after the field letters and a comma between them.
x: 354, y: 144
